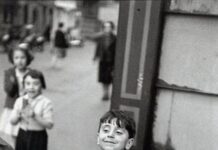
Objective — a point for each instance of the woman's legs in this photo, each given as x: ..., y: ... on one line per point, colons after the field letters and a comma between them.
x: 105, y: 91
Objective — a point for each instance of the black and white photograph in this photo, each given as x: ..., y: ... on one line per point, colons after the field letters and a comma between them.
x: 108, y: 74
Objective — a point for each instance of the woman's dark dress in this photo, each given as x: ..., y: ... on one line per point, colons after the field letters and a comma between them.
x: 105, y: 52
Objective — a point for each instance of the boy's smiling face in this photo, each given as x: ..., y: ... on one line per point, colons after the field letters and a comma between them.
x: 113, y: 137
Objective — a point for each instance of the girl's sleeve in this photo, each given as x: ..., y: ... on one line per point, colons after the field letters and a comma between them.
x: 15, y: 114
x: 10, y: 85
x: 48, y: 112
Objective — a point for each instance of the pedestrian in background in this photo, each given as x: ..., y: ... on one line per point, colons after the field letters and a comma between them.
x: 34, y: 113
x: 60, y: 46
x: 47, y: 33
x: 105, y: 54
x: 30, y: 36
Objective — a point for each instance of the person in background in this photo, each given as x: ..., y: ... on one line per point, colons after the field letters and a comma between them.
x: 60, y: 46
x: 47, y: 33
x: 105, y: 54
x: 34, y: 113
x: 10, y: 38
x: 116, y: 131
x: 30, y: 36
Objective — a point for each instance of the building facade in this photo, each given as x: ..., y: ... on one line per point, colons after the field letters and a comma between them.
x: 20, y: 13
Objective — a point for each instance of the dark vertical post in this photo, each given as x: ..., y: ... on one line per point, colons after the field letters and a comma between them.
x: 136, y: 63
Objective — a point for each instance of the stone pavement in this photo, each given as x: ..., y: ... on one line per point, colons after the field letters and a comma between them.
x: 76, y: 96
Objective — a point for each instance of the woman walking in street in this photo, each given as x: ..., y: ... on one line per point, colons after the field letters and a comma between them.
x: 105, y: 54
x: 60, y: 46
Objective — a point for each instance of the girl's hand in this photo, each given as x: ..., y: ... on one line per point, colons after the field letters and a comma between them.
x: 19, y: 114
x: 23, y: 115
x: 28, y: 112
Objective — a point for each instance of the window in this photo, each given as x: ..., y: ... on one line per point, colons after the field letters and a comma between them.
x: 8, y: 13
x: 25, y: 18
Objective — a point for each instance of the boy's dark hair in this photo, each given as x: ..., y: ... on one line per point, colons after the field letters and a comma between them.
x: 122, y: 120
x: 36, y: 75
x: 26, y: 53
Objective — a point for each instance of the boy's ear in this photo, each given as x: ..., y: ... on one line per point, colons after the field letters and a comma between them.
x: 129, y: 143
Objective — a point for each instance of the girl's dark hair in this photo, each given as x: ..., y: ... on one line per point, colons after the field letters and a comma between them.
x: 26, y: 53
x: 123, y: 120
x: 36, y: 75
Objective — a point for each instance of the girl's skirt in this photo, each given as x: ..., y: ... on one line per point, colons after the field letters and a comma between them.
x: 31, y: 140
x: 5, y: 124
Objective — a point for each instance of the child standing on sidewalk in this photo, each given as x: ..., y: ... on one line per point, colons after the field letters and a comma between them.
x: 13, y: 78
x: 34, y: 113
x: 116, y: 131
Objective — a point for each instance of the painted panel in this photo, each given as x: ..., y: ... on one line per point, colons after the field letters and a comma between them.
x: 134, y: 113
x: 194, y: 6
x: 189, y: 55
x: 189, y: 121
x: 133, y: 68
x: 135, y: 48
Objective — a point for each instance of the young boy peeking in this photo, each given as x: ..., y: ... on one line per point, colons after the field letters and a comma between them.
x: 116, y: 131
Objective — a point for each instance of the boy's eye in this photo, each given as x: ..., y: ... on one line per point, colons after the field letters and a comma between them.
x: 119, y: 132
x: 105, y: 130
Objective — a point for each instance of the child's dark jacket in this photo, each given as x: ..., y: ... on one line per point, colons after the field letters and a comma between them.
x: 11, y: 87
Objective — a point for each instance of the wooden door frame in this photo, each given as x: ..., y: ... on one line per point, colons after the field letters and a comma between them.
x: 140, y: 104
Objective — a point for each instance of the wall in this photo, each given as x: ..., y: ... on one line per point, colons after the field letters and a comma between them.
x: 187, y: 99
x: 190, y: 120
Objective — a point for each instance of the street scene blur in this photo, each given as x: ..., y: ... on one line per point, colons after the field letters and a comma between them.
x: 74, y: 76
x: 69, y: 47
